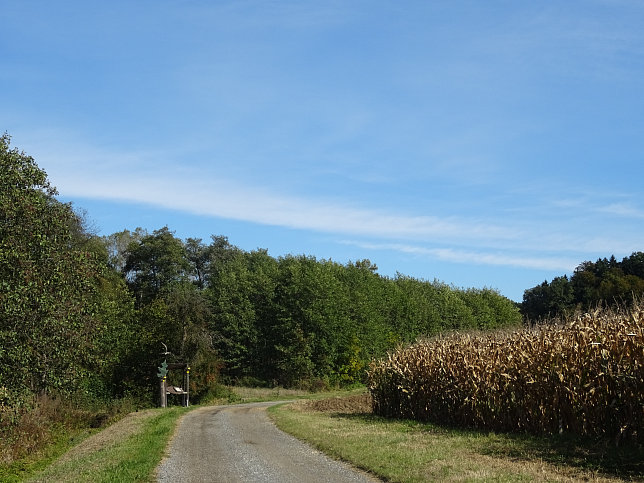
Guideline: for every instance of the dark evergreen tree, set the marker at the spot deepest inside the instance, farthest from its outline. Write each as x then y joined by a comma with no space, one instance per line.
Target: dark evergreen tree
605,281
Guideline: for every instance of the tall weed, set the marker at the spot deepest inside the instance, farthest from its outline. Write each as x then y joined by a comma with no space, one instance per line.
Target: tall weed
31,423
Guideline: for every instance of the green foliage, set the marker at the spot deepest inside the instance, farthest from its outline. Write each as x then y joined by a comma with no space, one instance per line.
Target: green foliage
48,275
234,322
166,276
117,245
112,336
604,281
298,321
198,256
154,263
489,309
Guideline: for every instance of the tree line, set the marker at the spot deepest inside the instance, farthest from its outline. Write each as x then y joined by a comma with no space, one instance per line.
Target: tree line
606,281
85,314
290,320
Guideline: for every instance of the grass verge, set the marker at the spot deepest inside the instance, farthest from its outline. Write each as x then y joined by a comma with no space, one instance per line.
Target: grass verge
34,435
408,451
129,450
61,440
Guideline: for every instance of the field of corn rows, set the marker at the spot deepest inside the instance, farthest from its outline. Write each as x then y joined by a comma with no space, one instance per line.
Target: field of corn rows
585,377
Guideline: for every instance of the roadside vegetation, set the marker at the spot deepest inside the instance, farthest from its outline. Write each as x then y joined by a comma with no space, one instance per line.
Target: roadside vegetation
48,429
557,402
404,450
130,448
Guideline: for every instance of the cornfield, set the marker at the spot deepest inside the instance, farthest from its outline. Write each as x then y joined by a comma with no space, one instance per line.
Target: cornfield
585,376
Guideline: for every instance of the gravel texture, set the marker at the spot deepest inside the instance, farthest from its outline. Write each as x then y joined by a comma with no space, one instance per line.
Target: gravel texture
240,444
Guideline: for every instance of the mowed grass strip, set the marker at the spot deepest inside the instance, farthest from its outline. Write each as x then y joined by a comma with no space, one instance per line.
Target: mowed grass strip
127,451
409,451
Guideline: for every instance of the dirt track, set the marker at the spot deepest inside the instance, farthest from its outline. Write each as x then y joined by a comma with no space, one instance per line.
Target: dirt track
240,444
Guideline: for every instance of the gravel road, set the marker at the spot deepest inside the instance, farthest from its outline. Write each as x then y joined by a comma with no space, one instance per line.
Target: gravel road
240,444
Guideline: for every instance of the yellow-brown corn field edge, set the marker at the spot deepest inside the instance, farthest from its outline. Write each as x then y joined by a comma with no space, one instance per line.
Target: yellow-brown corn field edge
585,377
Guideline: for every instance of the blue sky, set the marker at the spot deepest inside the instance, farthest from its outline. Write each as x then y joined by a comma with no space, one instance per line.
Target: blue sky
485,144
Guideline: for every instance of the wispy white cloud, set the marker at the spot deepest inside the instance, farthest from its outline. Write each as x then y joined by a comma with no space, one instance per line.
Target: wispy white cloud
626,210
151,177
476,257
615,204
230,199
491,241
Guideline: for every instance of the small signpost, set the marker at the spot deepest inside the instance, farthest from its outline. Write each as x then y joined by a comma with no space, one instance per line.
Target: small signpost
186,396
162,374
164,389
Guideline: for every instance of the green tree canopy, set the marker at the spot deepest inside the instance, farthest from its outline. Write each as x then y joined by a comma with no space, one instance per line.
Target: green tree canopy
606,280
154,263
48,273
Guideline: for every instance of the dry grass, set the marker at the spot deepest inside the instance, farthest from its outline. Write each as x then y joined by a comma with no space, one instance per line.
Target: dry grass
355,404
251,394
28,429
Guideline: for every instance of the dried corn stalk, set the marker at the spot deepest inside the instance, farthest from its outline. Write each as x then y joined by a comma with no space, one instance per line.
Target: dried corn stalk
584,377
